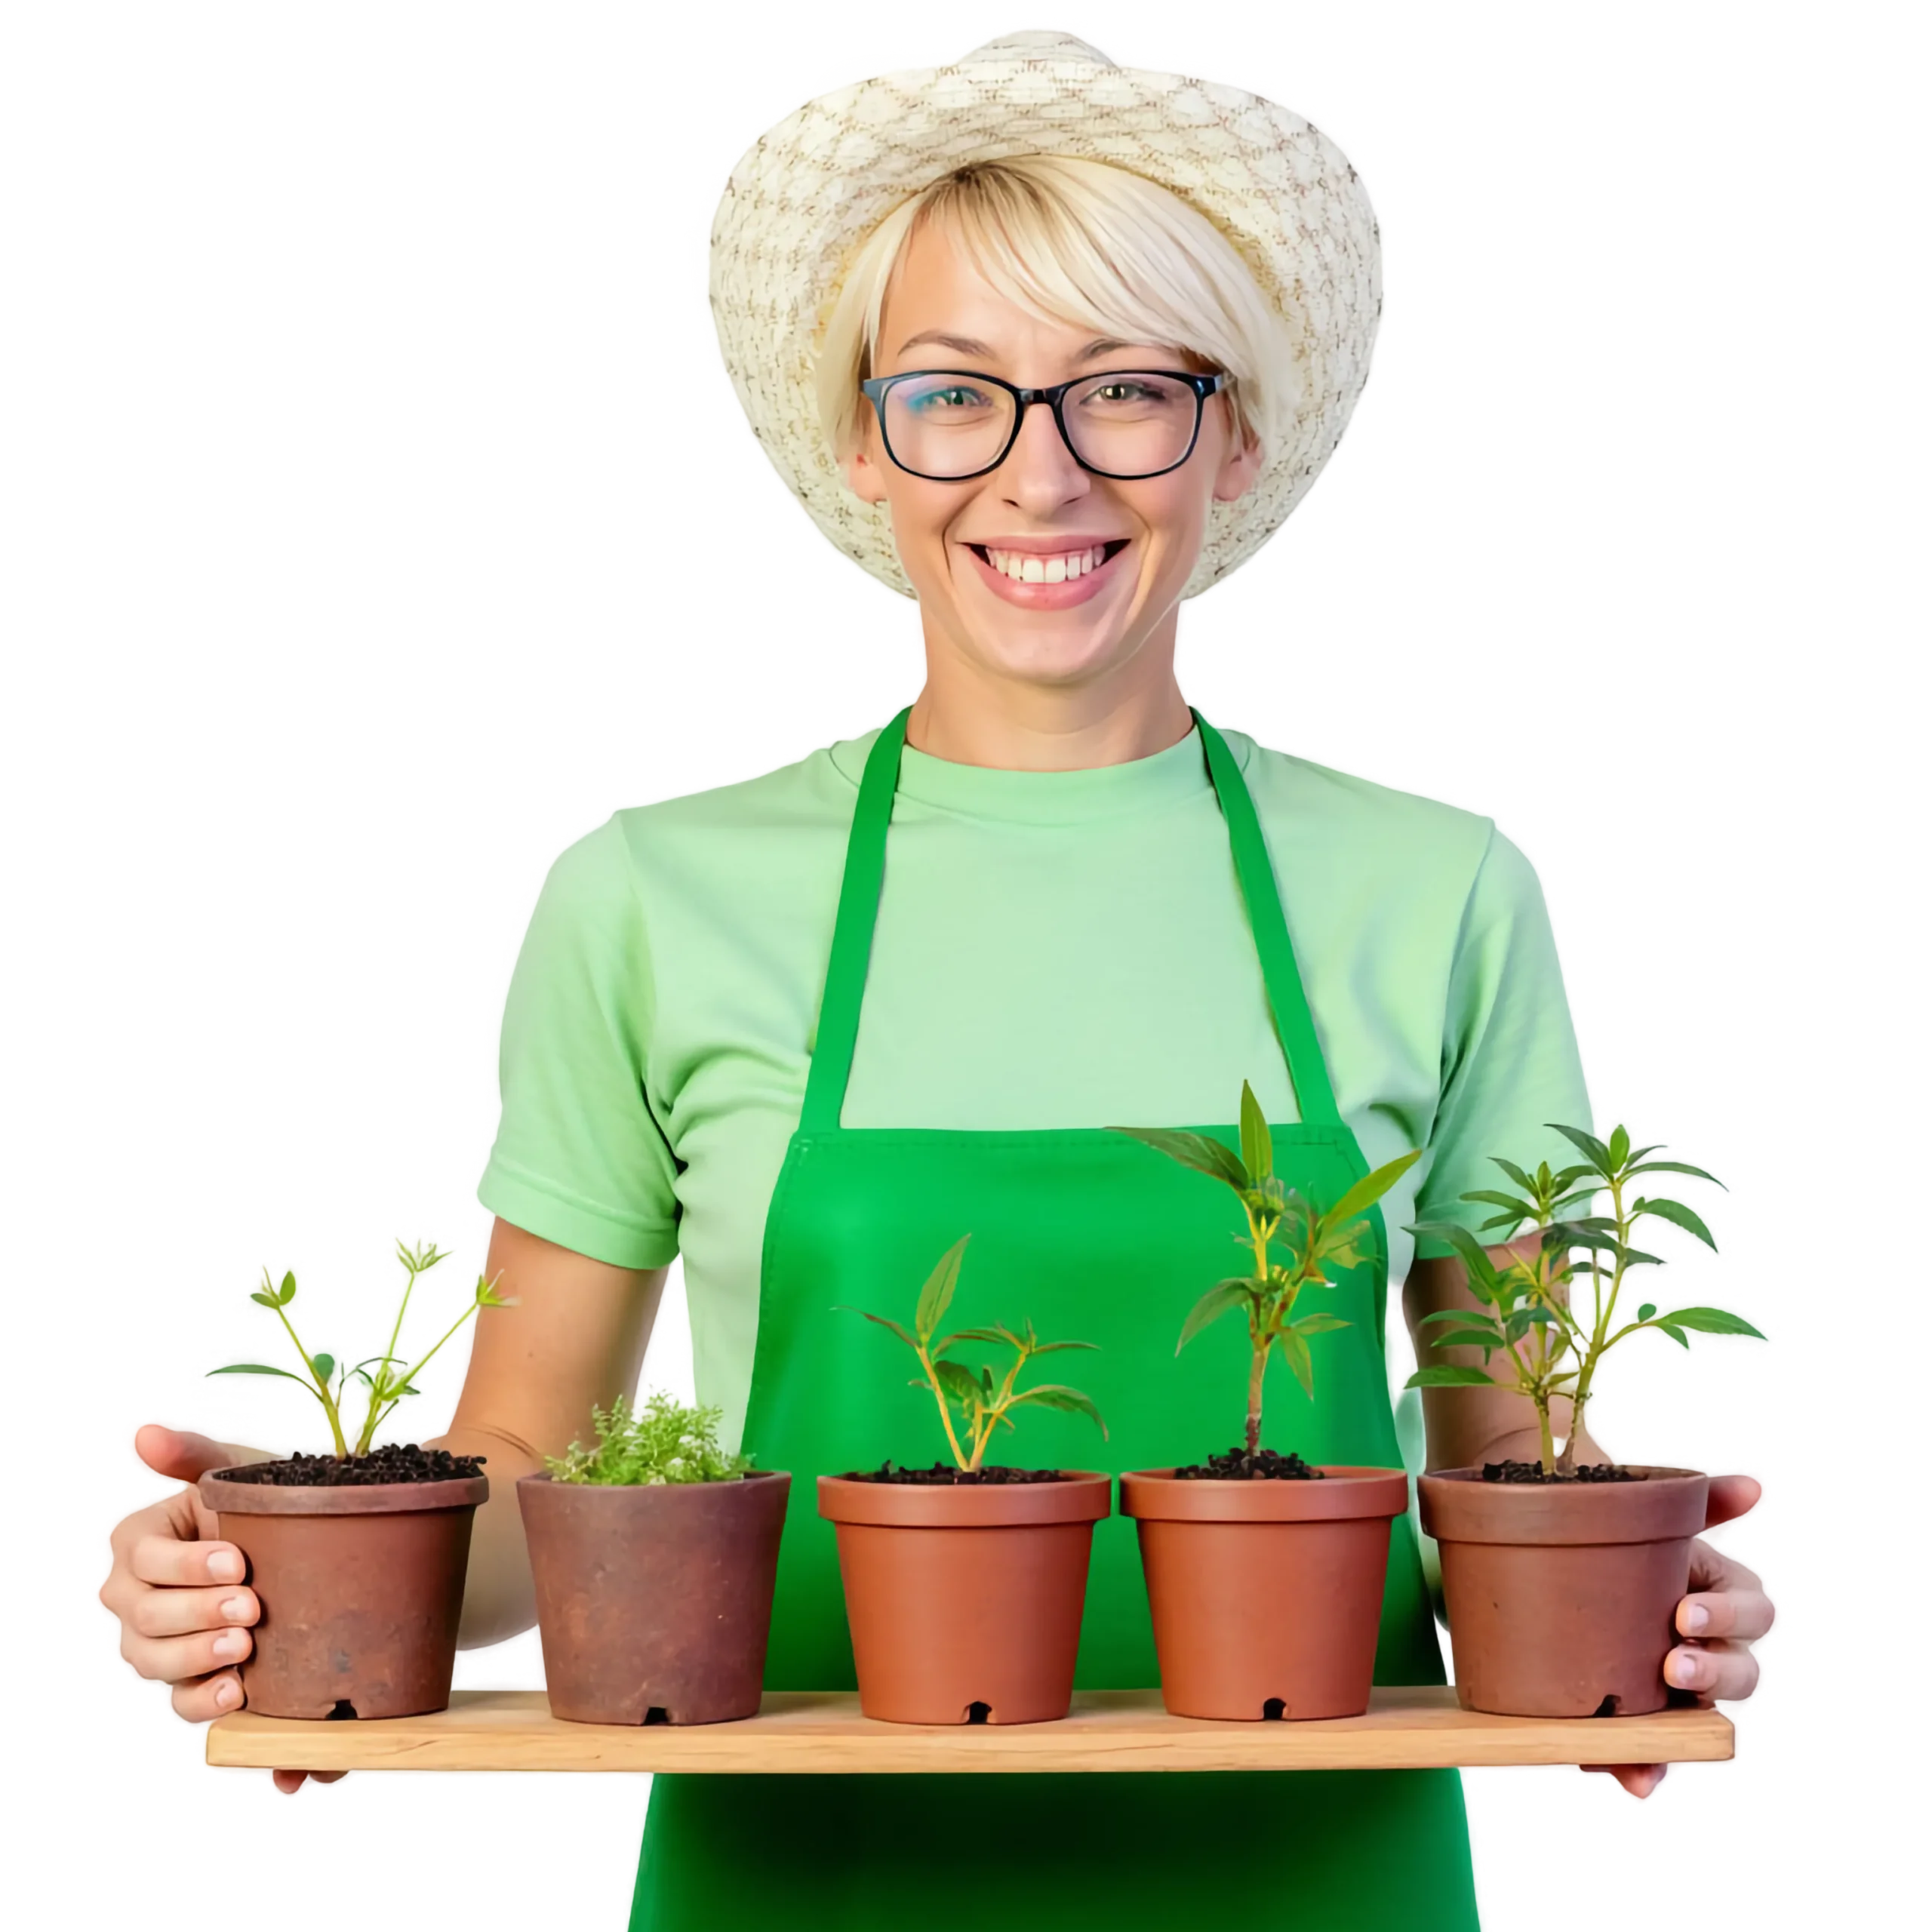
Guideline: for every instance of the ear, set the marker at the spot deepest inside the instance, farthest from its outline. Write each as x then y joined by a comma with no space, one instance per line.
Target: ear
862,472
1238,470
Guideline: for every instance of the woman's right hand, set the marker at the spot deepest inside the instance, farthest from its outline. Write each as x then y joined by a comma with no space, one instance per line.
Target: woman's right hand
177,1589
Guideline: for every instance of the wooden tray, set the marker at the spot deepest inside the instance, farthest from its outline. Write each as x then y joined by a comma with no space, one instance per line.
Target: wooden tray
1108,1730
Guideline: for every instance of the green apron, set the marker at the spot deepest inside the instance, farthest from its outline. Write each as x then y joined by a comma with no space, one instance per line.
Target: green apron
1093,1237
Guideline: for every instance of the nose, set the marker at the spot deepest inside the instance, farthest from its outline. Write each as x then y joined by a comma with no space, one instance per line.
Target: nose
1039,473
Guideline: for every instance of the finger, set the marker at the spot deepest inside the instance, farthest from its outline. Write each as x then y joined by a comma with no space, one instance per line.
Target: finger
1726,1676
168,1559
170,1660
198,1701
179,1613
175,1452
1733,1498
1743,1610
1639,1780
291,1781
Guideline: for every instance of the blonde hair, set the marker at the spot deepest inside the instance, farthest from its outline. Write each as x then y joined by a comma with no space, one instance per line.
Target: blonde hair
1076,241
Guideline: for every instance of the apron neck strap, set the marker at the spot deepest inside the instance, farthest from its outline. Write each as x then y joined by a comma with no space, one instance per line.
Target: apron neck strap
858,911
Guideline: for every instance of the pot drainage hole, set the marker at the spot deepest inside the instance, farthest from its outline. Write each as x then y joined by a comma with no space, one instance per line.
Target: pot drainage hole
343,1709
978,1713
658,1714
1607,1708
1275,1708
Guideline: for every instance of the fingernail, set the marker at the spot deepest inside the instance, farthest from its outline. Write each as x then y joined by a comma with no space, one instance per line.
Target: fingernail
1685,1669
1696,1618
235,1609
225,1567
230,1643
227,1692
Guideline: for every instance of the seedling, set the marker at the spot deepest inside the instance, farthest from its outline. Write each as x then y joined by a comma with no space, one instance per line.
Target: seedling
387,1384
1536,1301
982,1405
663,1442
1313,1239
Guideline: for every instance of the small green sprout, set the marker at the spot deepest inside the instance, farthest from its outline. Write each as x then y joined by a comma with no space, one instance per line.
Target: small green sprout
1314,1239
663,1442
1527,1314
387,1384
984,1404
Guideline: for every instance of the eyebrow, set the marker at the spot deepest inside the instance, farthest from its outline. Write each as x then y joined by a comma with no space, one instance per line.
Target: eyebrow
967,345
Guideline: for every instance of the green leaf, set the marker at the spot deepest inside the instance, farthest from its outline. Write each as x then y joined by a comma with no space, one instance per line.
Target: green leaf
1649,1309
1677,1167
1463,1315
287,1293
1588,1145
1695,1322
267,1301
1483,1282
1294,1350
846,1308
998,1336
1321,1323
1469,1338
1053,1395
1371,1187
1684,1218
1522,1320
1675,1334
1494,1197
1257,1144
936,1295
1450,1378
960,1382
1515,1174
1236,1291
1201,1152
1047,1348
323,1366
1620,1147
247,1371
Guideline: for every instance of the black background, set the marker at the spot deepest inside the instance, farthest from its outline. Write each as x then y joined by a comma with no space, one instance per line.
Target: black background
453,575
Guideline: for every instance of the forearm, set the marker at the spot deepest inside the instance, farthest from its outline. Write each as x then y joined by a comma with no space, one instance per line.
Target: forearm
499,1600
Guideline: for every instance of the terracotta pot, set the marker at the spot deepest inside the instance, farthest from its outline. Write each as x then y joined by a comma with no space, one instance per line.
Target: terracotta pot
361,1589
1561,1597
965,1602
655,1601
1266,1597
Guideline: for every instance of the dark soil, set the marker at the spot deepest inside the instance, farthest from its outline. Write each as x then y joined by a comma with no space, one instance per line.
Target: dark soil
1515,1472
1237,1465
392,1462
946,1472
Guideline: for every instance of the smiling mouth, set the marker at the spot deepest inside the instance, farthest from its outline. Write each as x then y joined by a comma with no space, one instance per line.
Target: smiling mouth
1111,550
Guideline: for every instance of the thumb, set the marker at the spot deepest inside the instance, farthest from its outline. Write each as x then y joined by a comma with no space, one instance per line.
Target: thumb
1730,1496
173,1452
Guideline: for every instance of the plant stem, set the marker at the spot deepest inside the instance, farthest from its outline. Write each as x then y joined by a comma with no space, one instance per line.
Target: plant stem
1256,1375
374,1420
945,1413
320,1387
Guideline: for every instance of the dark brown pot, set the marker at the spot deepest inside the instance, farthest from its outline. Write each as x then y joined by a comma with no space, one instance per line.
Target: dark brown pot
654,1600
1562,1597
1266,1597
360,1590
965,1602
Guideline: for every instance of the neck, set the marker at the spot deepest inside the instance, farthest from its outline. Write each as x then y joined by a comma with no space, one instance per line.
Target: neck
970,713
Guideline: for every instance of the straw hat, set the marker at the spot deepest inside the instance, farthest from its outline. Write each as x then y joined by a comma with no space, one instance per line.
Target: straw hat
804,197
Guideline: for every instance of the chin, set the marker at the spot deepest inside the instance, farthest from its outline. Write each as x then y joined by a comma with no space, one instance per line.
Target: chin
1050,654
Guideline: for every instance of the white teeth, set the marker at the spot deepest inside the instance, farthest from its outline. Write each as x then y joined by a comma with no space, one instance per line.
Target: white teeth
1025,567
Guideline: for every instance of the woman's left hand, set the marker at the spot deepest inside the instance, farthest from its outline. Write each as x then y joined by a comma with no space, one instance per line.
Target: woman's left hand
1726,1612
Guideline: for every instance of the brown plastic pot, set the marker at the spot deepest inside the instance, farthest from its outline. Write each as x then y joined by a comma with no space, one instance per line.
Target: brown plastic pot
360,1590
964,1602
1562,1597
654,1601
1266,1597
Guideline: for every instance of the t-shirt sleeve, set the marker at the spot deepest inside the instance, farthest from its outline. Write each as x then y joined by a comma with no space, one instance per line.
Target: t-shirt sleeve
579,1159
1509,1059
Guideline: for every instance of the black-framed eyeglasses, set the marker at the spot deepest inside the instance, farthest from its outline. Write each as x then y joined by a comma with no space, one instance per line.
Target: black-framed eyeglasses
950,425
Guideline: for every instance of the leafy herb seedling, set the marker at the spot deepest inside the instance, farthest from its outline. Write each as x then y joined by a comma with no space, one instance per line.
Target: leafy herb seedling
1313,1240
663,1442
1527,1315
387,1380
983,1403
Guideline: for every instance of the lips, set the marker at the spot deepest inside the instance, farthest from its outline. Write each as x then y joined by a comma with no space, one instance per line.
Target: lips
1042,596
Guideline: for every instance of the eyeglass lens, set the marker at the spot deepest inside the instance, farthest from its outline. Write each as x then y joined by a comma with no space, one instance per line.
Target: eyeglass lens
954,424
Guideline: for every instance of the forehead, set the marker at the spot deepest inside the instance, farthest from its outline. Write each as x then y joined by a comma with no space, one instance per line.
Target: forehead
937,287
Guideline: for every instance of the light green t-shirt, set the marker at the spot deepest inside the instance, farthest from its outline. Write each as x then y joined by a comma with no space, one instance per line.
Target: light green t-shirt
1053,949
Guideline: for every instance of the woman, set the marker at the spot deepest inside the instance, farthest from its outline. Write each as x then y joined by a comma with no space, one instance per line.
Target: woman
806,1028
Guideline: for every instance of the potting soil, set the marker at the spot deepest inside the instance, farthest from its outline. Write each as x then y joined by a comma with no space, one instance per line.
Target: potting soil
1516,1472
1237,1465
318,1467
946,1472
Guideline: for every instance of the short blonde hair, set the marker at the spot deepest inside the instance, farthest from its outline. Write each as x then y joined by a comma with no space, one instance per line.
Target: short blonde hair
1082,242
